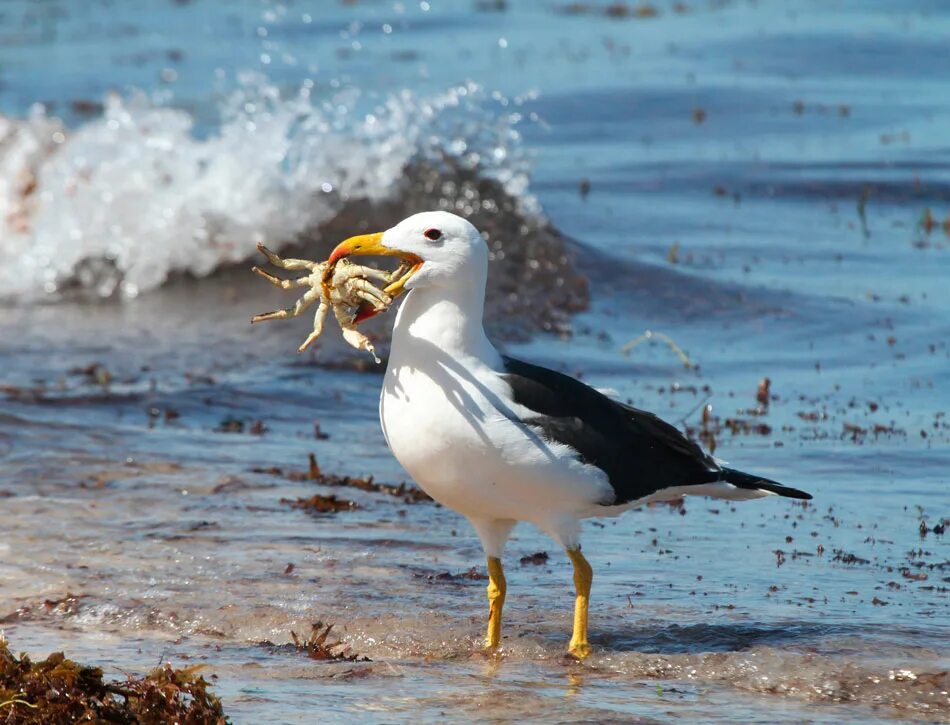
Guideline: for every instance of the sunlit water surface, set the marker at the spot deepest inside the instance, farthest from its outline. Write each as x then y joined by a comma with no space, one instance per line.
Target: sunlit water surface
750,180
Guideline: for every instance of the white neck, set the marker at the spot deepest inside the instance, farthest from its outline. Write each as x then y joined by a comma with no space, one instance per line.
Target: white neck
448,317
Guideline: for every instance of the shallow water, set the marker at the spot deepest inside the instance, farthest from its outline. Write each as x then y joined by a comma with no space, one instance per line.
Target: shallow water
789,155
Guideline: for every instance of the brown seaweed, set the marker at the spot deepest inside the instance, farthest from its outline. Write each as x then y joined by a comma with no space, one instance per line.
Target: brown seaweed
318,645
318,504
409,494
59,690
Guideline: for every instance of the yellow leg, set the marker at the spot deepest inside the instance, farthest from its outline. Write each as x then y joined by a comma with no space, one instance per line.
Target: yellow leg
583,575
496,600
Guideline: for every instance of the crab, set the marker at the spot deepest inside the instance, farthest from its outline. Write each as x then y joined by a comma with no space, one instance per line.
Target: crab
343,286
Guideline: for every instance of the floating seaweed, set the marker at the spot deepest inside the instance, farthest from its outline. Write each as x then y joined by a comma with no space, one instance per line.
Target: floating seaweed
409,494
473,574
94,373
318,504
230,424
650,335
66,606
616,10
318,646
537,559
846,557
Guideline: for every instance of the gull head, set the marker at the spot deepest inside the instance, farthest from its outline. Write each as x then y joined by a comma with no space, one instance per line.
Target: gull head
436,247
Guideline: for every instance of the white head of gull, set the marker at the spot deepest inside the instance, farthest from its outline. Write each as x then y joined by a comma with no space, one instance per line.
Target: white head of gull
500,440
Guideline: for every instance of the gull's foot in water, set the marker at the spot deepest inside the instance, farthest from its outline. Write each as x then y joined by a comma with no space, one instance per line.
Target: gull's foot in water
489,652
579,650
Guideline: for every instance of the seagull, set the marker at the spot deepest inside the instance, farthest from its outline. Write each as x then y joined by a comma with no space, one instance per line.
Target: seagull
499,440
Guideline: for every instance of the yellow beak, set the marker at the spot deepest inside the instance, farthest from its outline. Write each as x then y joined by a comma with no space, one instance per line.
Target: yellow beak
371,244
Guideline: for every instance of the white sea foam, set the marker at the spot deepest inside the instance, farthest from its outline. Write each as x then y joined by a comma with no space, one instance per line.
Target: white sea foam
128,198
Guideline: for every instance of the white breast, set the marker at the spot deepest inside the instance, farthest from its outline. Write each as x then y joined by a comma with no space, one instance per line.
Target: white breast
451,424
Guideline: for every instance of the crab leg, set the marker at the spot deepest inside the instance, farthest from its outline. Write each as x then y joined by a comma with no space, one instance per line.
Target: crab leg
365,291
282,283
358,270
397,273
277,261
353,336
310,296
318,318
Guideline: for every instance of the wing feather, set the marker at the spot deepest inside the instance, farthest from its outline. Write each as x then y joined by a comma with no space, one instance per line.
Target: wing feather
639,452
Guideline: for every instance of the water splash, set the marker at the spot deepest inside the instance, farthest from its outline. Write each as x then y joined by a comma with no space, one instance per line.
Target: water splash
122,202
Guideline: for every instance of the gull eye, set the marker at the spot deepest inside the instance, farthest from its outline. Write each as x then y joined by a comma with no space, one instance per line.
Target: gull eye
433,235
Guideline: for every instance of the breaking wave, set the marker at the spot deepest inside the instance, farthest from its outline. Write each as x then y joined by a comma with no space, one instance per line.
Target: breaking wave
119,204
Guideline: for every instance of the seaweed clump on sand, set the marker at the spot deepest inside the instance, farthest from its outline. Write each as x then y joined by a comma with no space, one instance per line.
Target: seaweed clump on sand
59,690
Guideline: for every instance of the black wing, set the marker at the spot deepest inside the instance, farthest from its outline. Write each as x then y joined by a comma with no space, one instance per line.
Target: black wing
639,452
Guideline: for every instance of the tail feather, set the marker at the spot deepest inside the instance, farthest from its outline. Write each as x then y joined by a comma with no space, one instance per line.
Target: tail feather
757,483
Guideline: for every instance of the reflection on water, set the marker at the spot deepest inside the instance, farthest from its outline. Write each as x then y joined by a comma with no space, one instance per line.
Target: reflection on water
149,447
